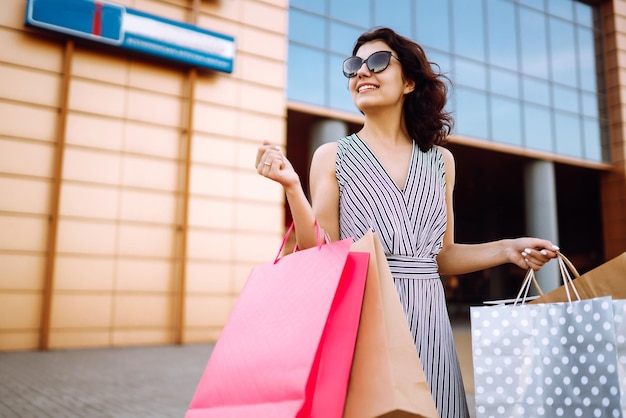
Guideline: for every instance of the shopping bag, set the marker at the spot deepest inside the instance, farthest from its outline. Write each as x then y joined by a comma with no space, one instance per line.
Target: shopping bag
608,279
287,347
546,360
387,377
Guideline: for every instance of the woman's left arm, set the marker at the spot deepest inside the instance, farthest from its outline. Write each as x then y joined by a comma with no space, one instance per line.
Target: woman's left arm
465,258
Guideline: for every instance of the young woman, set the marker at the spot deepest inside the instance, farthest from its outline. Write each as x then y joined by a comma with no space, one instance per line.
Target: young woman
394,177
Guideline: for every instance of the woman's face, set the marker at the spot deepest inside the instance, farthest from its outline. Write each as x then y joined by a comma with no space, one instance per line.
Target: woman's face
376,90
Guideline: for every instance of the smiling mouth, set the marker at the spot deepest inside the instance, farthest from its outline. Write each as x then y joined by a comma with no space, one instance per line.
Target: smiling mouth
367,87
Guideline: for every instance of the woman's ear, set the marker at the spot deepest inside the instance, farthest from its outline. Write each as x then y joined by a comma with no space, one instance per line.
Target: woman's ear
409,86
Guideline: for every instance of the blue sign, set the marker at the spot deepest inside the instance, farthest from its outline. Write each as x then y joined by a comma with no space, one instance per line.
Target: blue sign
113,24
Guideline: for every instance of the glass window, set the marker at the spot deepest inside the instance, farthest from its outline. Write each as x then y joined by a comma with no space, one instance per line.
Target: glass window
432,25
533,40
535,4
468,29
503,82
506,121
307,29
587,60
312,6
501,34
563,52
590,104
306,78
561,8
568,134
537,128
471,113
339,93
397,17
470,74
584,14
536,91
565,98
342,38
593,142
351,11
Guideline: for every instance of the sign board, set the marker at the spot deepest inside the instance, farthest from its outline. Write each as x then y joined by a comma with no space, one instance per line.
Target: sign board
117,25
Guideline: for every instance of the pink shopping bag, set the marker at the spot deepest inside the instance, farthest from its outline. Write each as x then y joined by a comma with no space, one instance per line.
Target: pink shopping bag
287,348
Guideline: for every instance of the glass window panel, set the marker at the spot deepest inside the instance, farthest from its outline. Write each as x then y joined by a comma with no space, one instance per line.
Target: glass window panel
504,82
568,134
506,121
565,98
313,6
342,38
442,61
397,17
536,91
561,8
590,104
351,11
468,29
537,128
533,40
563,52
433,24
340,97
307,28
583,14
470,74
471,113
536,4
306,77
502,34
593,143
587,60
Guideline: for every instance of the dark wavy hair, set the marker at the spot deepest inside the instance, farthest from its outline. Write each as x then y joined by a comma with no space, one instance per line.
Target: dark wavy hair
426,120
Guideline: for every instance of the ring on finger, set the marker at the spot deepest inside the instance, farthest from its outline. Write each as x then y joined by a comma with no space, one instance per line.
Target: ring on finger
266,163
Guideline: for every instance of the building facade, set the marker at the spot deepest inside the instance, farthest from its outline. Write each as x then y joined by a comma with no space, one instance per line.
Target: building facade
132,212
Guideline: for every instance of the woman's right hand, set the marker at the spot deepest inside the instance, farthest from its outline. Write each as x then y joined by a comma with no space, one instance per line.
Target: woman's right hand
271,163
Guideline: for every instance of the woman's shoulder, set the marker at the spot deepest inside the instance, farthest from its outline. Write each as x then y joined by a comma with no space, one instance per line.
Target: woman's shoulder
446,154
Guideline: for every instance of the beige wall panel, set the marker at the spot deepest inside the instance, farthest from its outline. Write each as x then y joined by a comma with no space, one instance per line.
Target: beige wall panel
241,273
94,132
259,248
260,127
270,45
207,277
22,271
207,311
25,195
80,310
258,217
147,241
200,335
280,3
220,90
91,166
148,207
214,119
251,185
99,66
142,310
17,122
89,201
162,9
26,158
20,311
147,76
212,213
263,100
154,108
19,340
99,98
82,237
83,273
263,15
82,338
30,50
150,173
224,11
209,245
13,12
142,337
23,233
263,71
213,150
211,181
144,275
34,87
158,141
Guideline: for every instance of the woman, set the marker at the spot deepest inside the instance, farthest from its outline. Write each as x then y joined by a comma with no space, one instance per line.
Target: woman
395,177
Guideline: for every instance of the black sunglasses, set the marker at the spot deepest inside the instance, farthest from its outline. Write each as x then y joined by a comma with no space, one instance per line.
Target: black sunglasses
376,63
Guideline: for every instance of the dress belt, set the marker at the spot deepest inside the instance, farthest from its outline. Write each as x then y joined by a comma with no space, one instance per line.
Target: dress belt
407,267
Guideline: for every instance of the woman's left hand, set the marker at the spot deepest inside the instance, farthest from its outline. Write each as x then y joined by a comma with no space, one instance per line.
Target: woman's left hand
532,252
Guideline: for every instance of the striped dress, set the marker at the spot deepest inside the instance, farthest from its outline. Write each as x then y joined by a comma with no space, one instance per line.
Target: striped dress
410,224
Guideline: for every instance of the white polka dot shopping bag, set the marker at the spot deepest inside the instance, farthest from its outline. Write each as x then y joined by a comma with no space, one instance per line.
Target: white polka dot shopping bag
547,360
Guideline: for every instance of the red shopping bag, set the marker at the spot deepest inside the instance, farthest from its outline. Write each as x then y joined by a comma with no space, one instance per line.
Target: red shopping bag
287,347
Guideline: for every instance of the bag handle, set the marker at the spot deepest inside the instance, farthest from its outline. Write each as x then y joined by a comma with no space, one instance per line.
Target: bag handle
295,248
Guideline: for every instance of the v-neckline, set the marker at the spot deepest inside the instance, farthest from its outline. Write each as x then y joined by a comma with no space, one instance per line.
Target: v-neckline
382,167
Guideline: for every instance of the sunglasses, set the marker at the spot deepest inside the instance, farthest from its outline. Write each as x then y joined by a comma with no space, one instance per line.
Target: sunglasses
376,63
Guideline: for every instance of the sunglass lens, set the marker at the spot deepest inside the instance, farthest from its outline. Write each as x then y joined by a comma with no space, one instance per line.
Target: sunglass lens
351,66
378,61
